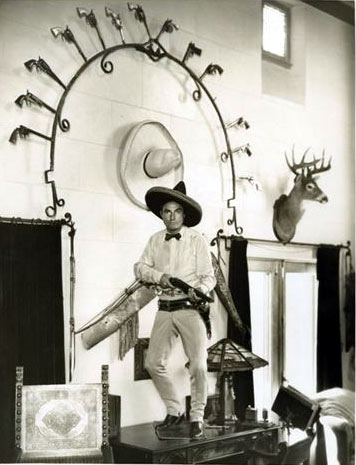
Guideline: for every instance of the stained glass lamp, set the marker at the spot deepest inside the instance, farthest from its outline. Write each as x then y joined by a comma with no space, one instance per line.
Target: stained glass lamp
225,357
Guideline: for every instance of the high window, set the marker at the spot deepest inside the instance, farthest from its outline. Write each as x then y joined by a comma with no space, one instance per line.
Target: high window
276,32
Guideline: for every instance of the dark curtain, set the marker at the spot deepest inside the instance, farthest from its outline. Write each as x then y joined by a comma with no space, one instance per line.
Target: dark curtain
329,372
349,309
31,326
239,287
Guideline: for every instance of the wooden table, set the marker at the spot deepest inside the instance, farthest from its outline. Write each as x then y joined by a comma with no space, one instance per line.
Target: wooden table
139,444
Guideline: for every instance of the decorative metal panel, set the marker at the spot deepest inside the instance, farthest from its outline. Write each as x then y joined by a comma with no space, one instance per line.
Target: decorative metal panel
62,420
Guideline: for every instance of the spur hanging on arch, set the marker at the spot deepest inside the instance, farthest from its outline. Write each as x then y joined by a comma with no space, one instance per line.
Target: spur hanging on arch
287,209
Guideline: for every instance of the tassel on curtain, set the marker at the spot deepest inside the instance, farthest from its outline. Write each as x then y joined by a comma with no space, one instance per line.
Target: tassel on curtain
240,291
329,368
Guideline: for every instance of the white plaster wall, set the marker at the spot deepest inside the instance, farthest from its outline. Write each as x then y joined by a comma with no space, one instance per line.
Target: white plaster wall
111,231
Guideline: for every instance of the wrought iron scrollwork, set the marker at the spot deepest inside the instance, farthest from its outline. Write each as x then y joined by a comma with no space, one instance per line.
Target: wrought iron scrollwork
71,233
31,99
64,124
224,157
155,51
51,210
211,69
106,65
197,94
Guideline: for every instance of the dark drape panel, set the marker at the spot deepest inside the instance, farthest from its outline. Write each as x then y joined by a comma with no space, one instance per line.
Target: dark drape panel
239,287
349,309
328,334
31,326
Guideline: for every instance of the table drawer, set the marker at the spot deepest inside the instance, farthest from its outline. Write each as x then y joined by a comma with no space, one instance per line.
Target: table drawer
173,456
132,455
215,450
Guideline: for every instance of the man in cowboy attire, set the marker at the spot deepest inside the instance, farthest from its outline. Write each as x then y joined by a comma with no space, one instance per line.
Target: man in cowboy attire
180,252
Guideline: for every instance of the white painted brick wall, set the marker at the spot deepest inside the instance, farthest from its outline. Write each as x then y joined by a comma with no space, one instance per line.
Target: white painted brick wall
111,231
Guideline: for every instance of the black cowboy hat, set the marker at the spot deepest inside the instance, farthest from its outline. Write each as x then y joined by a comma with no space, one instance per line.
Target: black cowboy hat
157,196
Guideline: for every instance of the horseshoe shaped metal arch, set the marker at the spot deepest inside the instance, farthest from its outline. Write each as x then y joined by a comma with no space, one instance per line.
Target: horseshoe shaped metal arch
51,210
155,55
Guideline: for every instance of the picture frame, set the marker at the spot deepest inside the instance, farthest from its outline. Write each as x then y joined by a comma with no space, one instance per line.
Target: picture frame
211,411
140,351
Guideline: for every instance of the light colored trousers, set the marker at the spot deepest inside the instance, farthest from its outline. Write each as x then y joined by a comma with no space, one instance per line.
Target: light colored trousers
190,326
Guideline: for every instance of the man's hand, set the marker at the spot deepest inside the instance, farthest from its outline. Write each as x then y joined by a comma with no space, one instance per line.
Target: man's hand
193,296
164,282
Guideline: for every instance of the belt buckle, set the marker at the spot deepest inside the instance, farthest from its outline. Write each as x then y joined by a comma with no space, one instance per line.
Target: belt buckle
186,304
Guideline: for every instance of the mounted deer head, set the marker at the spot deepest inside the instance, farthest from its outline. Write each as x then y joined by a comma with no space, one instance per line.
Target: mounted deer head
287,209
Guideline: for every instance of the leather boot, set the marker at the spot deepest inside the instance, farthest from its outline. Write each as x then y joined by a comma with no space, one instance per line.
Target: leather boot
196,430
171,420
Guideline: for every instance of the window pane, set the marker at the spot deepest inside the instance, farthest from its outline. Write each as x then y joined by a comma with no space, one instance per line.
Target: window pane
299,355
274,31
260,298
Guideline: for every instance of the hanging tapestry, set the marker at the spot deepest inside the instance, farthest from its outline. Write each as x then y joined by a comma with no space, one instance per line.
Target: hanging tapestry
349,310
329,372
240,291
31,325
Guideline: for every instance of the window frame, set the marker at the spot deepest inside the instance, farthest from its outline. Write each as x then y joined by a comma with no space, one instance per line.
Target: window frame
275,334
277,59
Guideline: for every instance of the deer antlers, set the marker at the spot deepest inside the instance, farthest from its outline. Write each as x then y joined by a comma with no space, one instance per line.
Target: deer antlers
308,168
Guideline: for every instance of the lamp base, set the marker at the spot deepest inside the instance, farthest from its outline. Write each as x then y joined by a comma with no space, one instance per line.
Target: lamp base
226,415
256,424
226,422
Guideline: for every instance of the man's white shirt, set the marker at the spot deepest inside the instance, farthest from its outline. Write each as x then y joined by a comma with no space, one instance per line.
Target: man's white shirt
188,259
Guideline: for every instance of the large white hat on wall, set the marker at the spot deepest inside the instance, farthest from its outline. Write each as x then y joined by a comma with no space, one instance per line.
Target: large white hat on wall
150,157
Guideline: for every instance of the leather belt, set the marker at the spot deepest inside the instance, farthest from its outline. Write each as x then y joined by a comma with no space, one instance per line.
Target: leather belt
174,305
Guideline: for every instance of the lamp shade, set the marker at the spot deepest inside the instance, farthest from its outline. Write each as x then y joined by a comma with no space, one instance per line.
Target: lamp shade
227,356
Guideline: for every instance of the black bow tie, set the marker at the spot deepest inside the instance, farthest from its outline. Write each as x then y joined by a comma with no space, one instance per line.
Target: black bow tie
168,236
